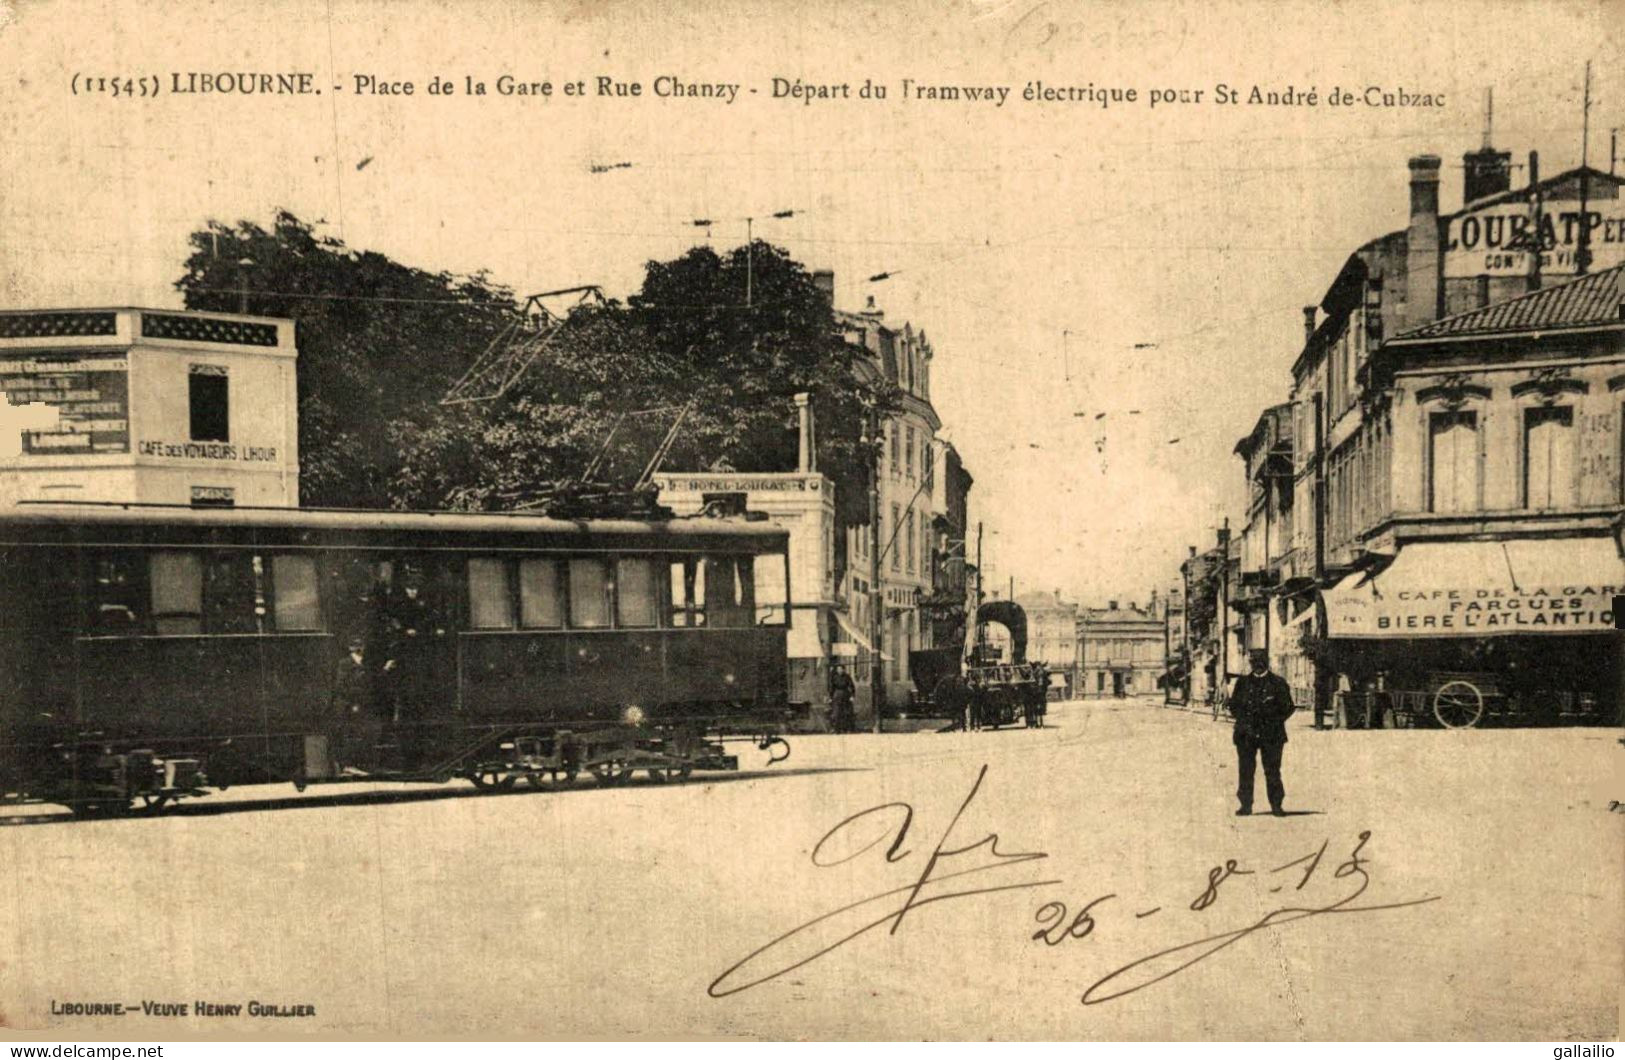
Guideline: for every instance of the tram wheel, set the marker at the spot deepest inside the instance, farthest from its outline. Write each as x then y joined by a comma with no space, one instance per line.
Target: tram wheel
613,773
1458,704
493,780
146,803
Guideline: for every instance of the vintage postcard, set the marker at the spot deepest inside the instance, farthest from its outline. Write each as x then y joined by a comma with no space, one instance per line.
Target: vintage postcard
962,520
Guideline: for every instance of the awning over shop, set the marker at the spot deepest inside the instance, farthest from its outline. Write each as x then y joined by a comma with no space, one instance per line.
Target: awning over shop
1482,589
852,631
804,641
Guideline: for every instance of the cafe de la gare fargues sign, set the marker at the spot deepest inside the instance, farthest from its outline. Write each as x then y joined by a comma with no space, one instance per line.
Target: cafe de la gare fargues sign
1497,240
1498,610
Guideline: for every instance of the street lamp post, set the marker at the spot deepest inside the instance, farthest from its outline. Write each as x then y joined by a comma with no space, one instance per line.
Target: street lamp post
877,675
750,245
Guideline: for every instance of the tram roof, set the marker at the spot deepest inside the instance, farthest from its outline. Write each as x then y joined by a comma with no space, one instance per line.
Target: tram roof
62,513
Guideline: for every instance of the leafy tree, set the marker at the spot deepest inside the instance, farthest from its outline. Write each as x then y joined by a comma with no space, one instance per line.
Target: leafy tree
380,343
743,362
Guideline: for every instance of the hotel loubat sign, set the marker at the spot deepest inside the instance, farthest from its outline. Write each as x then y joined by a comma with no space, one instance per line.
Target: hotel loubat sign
738,484
88,395
1496,241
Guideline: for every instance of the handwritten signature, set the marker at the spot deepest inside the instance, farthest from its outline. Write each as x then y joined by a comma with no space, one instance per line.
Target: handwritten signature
822,935
947,875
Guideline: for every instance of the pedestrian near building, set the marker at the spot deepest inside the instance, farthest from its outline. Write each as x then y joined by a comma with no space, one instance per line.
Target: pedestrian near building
1261,703
842,693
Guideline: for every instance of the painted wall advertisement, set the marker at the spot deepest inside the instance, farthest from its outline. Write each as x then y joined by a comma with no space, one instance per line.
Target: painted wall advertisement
1470,610
1497,240
89,397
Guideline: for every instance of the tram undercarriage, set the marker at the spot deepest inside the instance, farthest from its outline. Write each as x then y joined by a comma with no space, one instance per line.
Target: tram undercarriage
94,777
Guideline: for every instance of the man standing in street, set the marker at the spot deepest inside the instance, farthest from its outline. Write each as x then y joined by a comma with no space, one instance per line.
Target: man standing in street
1261,703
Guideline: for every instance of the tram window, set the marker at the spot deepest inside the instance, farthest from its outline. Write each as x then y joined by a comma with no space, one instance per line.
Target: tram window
233,600
177,592
490,604
635,592
589,593
772,592
541,599
296,602
118,595
728,588
38,590
687,593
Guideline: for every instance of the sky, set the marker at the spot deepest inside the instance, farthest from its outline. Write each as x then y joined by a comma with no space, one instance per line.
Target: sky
1066,259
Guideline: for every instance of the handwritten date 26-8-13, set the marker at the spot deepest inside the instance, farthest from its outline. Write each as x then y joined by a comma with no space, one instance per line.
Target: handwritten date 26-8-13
1166,963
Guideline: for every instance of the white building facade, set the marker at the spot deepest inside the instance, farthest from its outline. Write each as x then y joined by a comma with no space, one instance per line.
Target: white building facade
148,406
912,469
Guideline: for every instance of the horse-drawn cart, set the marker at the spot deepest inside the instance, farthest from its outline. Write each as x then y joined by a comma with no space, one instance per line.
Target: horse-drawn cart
1461,700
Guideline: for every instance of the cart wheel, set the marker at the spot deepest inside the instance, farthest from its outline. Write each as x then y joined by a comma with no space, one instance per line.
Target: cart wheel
1458,704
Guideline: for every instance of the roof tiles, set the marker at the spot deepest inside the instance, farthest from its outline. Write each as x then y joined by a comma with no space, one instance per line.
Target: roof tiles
1589,301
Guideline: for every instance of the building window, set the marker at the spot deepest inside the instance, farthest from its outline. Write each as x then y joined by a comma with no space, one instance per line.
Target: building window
895,433
1453,461
896,553
908,455
1548,457
908,532
210,403
896,636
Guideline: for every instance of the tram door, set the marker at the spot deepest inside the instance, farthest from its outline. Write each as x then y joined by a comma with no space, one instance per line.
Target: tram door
420,656
403,608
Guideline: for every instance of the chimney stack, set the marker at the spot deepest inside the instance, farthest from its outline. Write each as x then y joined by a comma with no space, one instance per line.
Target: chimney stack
824,280
1422,262
807,460
1486,172
1111,605
1308,323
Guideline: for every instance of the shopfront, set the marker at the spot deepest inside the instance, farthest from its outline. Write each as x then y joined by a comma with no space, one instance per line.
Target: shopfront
1465,632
